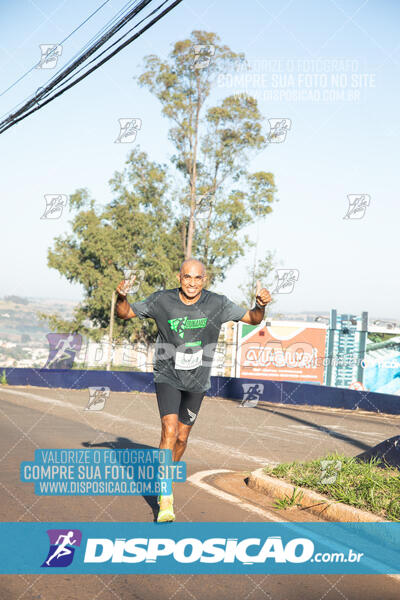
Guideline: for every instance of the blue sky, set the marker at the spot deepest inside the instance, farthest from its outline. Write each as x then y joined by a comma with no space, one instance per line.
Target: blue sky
337,145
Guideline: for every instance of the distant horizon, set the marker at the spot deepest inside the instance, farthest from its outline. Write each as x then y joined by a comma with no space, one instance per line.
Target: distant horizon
285,312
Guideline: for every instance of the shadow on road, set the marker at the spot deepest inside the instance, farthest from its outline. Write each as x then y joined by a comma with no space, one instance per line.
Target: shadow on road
327,430
122,443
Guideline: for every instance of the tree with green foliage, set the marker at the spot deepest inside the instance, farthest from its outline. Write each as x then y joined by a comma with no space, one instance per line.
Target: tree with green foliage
218,196
133,230
197,206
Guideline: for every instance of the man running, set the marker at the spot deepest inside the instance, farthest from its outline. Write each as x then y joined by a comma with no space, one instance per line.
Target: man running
62,546
189,319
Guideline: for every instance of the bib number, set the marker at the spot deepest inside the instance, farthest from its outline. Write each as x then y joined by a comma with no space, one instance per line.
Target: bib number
186,361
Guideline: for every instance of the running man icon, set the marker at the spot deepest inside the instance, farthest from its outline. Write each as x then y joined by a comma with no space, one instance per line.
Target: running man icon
251,394
61,551
62,350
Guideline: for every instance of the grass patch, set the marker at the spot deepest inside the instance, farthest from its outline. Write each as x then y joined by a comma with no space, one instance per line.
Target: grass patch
289,501
364,485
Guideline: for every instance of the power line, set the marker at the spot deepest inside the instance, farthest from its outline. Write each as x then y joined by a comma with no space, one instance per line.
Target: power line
58,77
85,66
123,10
59,44
92,46
29,107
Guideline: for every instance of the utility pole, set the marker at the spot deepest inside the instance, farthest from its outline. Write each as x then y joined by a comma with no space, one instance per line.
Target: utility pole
362,344
110,333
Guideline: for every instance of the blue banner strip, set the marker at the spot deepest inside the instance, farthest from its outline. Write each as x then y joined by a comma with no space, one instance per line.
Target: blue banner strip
289,392
207,548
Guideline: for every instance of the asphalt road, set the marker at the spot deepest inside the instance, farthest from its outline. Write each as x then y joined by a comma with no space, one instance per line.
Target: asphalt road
225,437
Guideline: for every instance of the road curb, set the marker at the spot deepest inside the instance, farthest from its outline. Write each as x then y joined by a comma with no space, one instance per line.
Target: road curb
322,506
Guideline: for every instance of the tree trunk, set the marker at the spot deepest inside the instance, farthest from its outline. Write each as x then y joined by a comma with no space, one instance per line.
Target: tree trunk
110,333
193,178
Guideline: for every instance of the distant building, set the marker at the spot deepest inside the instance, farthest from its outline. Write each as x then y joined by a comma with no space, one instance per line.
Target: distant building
345,349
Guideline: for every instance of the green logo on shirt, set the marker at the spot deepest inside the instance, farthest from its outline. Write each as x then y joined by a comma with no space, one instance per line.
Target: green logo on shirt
181,323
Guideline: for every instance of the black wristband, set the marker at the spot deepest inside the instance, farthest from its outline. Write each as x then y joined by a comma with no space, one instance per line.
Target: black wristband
259,306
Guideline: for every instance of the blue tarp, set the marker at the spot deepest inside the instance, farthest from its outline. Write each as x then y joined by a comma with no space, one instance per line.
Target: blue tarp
385,380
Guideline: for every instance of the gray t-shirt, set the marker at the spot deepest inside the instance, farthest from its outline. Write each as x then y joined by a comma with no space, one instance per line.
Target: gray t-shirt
187,335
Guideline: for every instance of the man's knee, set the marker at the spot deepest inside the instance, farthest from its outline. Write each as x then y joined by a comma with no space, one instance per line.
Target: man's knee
182,436
169,430
181,440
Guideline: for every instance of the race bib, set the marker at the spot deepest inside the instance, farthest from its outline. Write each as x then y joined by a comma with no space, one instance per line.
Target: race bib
185,361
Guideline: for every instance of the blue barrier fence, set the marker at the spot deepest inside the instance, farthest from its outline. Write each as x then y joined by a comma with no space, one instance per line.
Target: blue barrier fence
287,392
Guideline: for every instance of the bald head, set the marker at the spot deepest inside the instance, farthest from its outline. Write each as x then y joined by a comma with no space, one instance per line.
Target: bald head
192,262
192,277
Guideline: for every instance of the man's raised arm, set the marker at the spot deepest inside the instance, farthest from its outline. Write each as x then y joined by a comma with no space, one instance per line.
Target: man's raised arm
255,315
122,306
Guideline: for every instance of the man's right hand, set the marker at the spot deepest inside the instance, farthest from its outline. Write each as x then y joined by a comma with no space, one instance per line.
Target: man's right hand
123,308
124,286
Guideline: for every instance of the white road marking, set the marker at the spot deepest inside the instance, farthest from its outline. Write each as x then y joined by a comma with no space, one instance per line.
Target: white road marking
340,428
41,398
197,479
312,431
208,445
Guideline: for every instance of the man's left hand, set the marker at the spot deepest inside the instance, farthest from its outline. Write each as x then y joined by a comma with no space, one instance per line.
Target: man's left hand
263,297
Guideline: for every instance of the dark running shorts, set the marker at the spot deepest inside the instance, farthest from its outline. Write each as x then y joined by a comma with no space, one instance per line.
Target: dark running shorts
179,402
